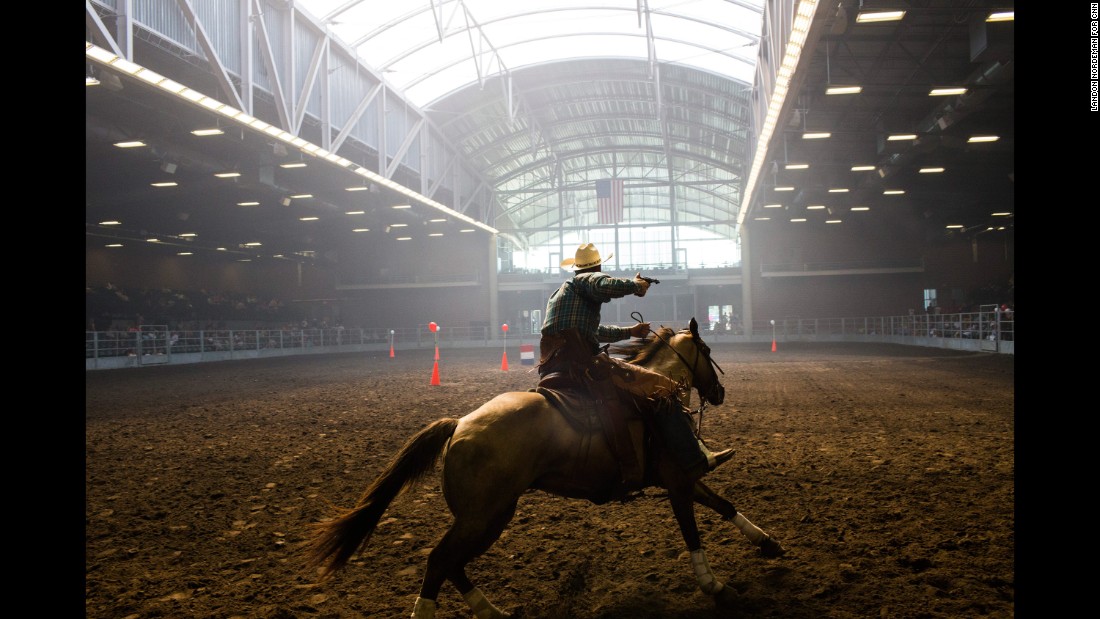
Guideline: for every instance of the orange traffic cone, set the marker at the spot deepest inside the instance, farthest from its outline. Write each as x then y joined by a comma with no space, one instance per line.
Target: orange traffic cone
773,345
504,362
435,373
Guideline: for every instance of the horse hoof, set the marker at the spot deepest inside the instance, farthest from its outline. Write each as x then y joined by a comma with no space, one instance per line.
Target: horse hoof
771,548
726,597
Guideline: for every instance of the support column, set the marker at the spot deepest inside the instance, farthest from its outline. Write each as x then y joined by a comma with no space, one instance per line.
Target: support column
494,290
747,267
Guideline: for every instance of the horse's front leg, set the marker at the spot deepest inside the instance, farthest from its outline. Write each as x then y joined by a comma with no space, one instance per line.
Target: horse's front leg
683,507
767,545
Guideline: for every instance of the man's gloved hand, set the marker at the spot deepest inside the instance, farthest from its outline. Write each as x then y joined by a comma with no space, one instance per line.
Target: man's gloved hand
643,285
640,330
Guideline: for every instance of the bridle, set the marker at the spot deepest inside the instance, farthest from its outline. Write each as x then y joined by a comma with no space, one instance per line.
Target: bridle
716,387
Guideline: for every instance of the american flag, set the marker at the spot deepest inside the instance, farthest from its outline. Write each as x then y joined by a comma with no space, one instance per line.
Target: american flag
609,200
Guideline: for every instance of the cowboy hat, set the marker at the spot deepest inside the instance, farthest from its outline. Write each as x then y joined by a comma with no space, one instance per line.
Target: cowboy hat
587,257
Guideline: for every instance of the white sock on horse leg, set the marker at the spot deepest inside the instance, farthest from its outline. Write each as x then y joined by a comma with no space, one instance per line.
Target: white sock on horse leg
755,534
482,607
423,609
707,582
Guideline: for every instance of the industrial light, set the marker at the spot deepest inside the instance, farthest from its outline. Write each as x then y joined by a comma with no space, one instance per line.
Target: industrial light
931,170
302,196
798,219
843,90
400,206
360,230
355,212
860,208
206,132
815,207
288,166
1001,16
227,174
901,136
893,192
868,17
165,184
941,92
983,138
130,144
773,206
863,168
839,190
307,219
796,166
784,189
248,204
832,221
819,135
110,222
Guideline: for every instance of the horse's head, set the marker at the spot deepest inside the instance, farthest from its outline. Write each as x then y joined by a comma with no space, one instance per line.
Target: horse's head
681,355
704,370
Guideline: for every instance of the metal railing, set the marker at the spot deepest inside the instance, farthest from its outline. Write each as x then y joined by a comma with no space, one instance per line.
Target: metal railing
990,331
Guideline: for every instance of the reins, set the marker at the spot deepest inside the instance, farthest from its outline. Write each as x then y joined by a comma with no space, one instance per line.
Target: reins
692,366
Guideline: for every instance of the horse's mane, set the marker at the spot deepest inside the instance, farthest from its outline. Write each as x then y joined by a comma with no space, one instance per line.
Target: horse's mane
641,351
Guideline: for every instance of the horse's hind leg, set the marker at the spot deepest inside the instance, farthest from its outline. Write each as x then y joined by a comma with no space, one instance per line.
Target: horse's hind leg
464,541
768,546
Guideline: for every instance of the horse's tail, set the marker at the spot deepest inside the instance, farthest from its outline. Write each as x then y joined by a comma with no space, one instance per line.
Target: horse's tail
337,540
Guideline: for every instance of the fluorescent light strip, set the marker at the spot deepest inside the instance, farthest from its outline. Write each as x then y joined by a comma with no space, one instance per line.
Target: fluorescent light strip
832,221
800,27
307,219
227,174
130,144
164,184
943,92
1001,16
863,168
860,208
784,189
869,17
843,90
355,188
798,35
206,132
983,138
838,190
1001,214
301,196
796,166
931,170
404,238
893,192
901,136
798,220
815,207
289,166
773,206
248,204
112,222
355,213
360,230
954,226
819,135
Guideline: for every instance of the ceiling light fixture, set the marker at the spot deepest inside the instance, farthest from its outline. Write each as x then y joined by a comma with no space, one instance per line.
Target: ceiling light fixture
893,192
355,188
843,90
205,132
863,168
817,135
773,206
301,196
400,206
784,189
839,190
307,219
1001,16
798,219
815,207
860,208
983,138
227,174
901,136
360,230
164,184
248,204
943,92
931,170
288,166
870,17
110,222
130,144
796,166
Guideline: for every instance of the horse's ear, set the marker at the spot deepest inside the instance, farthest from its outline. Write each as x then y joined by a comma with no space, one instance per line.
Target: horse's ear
693,326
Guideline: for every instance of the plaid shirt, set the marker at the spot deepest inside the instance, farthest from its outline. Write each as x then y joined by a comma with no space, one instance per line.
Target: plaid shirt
576,304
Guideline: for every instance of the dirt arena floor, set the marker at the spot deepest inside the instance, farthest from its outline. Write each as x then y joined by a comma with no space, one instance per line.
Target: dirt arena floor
887,472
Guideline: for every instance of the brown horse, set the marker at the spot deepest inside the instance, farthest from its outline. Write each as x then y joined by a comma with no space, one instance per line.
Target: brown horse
518,442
